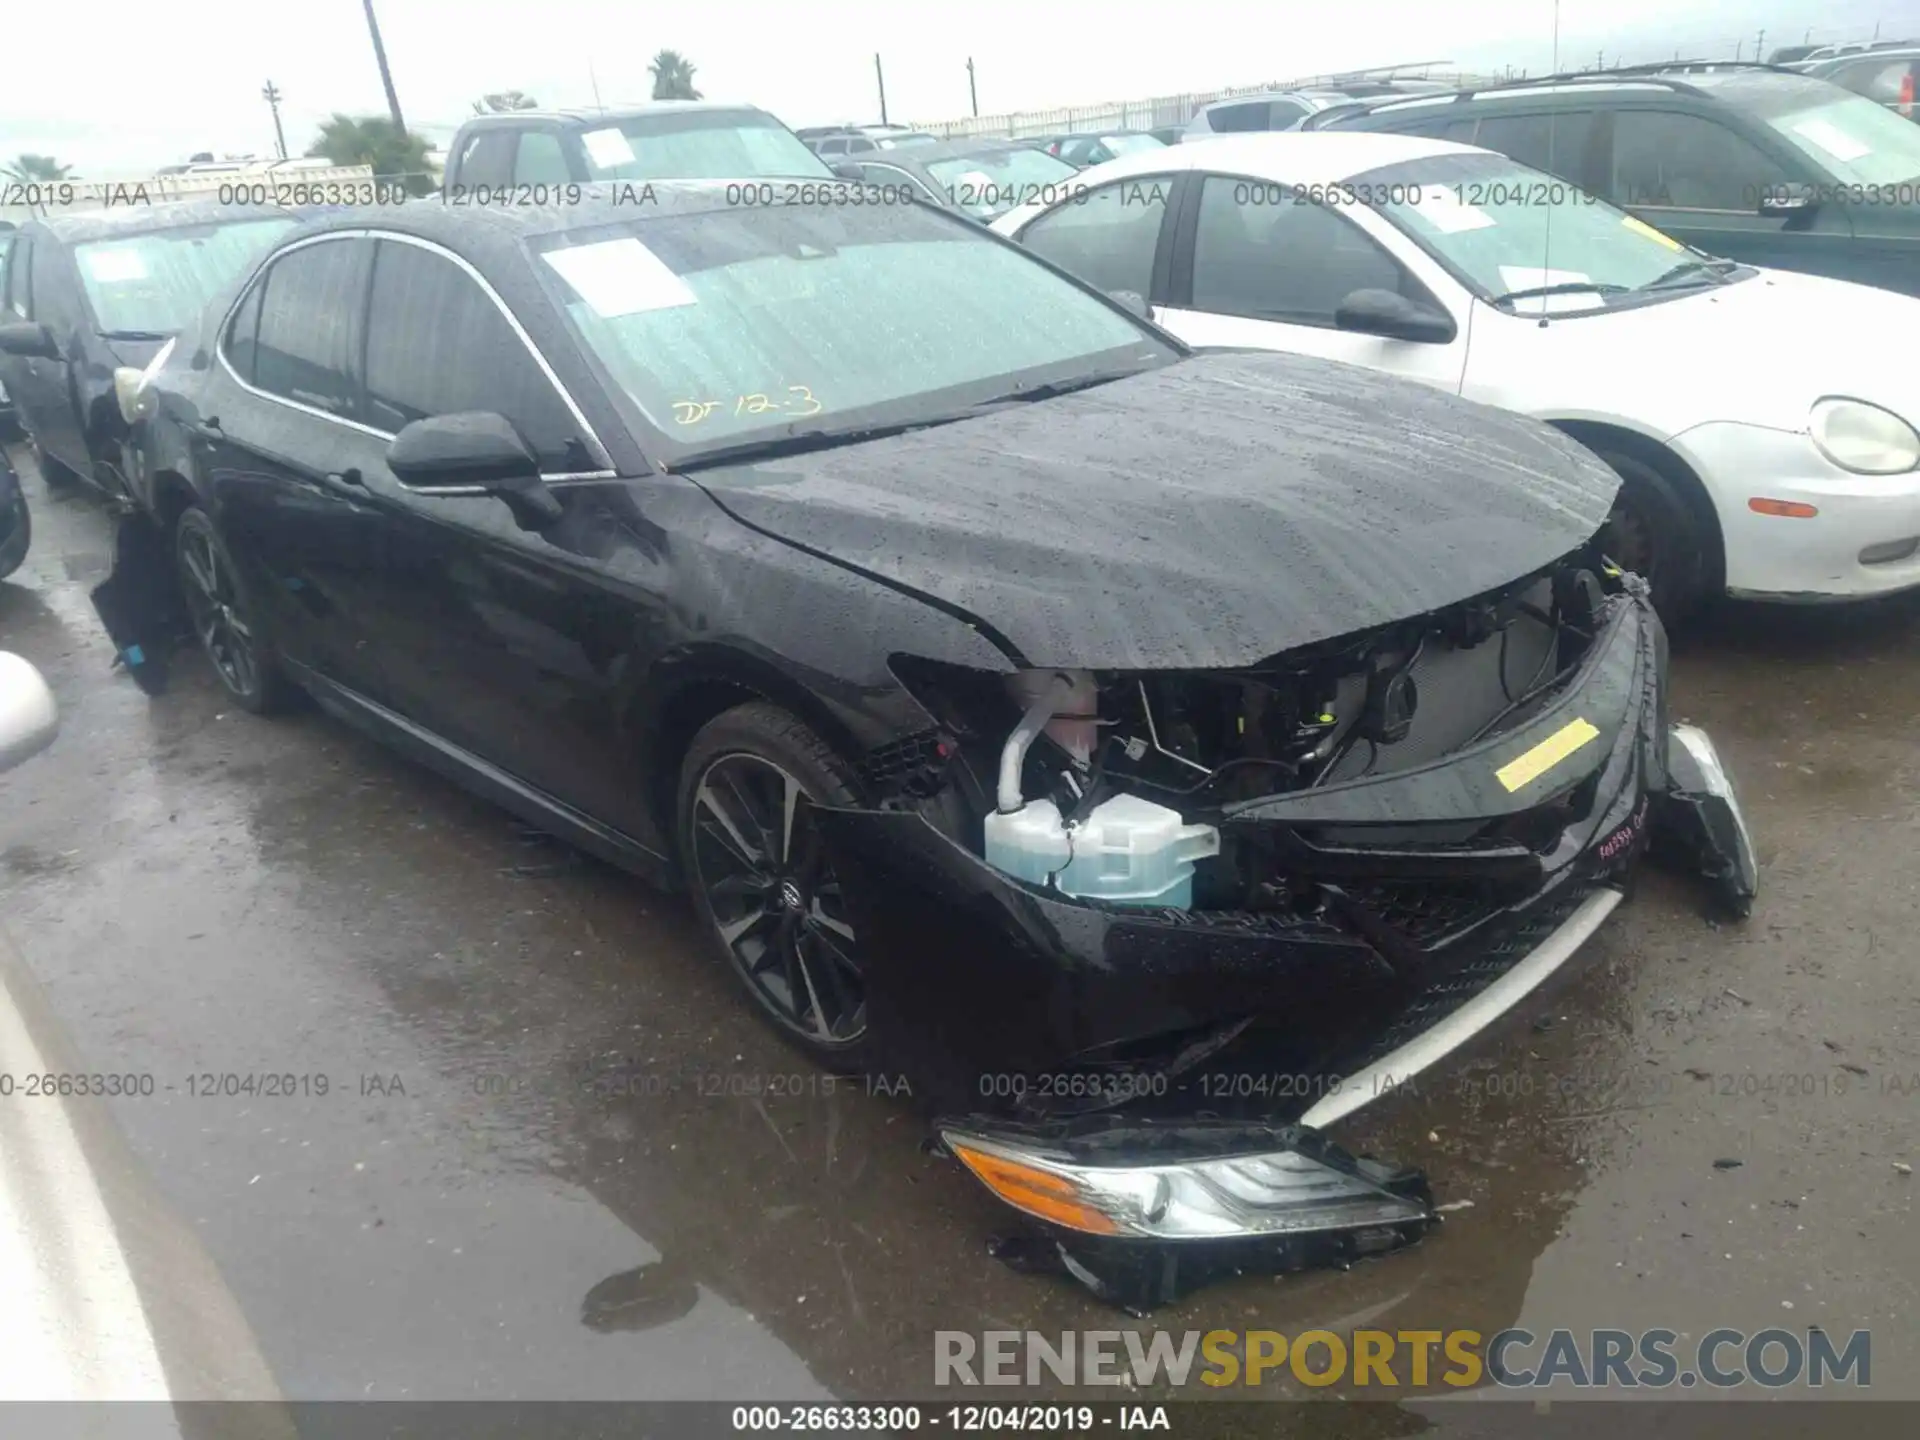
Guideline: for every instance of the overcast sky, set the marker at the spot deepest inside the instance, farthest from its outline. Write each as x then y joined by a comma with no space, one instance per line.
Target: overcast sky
119,86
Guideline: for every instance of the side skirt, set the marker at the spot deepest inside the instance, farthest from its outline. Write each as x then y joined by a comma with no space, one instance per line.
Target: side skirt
486,780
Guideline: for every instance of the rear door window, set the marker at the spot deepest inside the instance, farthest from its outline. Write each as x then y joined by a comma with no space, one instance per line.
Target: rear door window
309,327
437,344
1555,141
1231,119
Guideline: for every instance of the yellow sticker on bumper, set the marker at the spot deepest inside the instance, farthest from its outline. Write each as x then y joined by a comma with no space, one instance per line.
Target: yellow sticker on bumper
1547,754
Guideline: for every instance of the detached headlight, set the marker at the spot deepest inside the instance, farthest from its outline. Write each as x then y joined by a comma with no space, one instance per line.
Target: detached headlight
1277,1192
131,387
1864,438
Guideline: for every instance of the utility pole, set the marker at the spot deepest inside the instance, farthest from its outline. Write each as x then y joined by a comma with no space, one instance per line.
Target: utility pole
972,93
880,78
1760,47
271,94
386,75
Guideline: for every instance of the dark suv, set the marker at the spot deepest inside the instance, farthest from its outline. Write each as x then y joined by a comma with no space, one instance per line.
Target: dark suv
667,140
1751,162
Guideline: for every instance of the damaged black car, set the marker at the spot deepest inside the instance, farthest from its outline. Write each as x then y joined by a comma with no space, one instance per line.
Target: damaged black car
1030,705
90,299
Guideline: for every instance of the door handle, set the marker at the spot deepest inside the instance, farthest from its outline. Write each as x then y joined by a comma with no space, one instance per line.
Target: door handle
348,476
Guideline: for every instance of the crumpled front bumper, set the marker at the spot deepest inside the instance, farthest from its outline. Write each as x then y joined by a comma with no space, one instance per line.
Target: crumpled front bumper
1062,1040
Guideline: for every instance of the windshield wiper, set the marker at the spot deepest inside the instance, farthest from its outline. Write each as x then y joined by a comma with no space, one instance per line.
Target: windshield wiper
1566,287
770,447
136,335
1053,389
1693,272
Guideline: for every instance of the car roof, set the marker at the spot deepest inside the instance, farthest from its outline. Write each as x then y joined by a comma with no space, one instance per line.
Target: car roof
1319,157
1733,82
124,221
493,233
949,150
509,118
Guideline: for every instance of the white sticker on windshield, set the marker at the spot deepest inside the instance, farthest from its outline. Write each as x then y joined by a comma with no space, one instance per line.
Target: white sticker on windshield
608,148
1832,139
620,277
1447,213
111,267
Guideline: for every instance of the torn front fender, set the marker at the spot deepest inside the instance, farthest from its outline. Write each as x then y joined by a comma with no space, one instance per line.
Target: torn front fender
1698,821
1143,1212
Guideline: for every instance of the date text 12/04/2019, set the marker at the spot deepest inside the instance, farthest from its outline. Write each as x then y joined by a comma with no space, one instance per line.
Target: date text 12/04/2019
961,1419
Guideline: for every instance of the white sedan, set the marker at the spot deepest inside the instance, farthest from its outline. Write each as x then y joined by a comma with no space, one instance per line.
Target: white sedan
1763,423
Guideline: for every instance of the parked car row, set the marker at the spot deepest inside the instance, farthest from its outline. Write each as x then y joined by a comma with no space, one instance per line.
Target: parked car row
1747,162
1017,684
1761,421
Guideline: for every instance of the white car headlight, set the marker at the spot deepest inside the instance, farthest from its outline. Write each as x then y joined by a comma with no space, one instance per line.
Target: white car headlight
1864,438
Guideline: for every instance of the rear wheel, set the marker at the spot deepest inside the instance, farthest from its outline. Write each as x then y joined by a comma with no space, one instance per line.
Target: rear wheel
762,882
1653,532
224,617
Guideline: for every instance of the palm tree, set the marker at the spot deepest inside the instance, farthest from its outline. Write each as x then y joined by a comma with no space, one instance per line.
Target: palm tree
36,168
375,140
672,76
503,101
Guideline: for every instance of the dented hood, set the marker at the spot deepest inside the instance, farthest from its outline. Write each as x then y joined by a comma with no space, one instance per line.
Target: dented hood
1210,513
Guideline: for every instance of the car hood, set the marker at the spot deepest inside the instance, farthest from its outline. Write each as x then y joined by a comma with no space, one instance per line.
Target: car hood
1759,351
1210,513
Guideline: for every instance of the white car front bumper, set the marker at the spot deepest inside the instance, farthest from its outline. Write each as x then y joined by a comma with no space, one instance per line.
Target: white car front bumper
1864,540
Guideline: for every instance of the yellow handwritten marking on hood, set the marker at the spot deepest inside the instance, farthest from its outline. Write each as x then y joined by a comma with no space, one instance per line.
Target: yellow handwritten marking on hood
1547,754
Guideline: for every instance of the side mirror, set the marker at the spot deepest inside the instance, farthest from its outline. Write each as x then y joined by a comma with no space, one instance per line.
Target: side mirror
1133,301
1787,200
29,341
475,452
29,718
847,170
1393,317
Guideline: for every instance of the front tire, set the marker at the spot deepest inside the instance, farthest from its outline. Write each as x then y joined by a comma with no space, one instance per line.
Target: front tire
762,883
225,618
1654,532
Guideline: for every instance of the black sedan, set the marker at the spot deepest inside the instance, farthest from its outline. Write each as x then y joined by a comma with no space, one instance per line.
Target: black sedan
982,179
90,293
1031,706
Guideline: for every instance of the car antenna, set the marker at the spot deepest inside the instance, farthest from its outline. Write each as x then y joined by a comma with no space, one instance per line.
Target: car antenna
1553,128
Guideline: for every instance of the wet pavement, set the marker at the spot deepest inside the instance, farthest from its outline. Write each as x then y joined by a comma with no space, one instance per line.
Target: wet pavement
556,1158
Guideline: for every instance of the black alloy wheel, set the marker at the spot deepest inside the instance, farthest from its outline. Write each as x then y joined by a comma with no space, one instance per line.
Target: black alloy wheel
223,619
763,882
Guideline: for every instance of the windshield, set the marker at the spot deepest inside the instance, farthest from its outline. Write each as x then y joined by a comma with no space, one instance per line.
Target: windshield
1132,144
157,284
698,145
1504,227
1855,140
990,184
782,321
